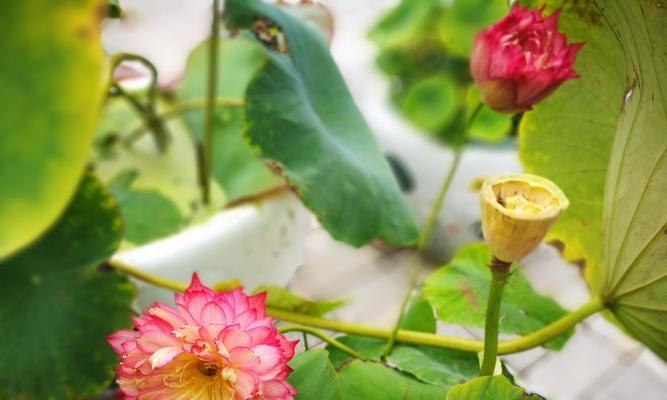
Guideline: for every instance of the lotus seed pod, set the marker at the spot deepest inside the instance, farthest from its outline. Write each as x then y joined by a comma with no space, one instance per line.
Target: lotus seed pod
517,211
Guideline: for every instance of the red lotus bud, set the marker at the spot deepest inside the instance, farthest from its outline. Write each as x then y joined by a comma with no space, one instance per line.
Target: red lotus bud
521,60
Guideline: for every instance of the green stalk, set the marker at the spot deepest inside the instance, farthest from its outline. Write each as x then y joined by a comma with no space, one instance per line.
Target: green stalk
500,272
523,343
179,110
326,338
427,231
147,111
206,162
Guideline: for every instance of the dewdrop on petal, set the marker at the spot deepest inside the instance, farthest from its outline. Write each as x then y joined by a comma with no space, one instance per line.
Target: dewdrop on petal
517,211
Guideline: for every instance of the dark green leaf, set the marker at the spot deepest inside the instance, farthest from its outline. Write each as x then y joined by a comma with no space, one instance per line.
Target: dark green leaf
51,80
314,377
147,214
300,114
369,380
281,298
57,307
235,166
488,388
459,293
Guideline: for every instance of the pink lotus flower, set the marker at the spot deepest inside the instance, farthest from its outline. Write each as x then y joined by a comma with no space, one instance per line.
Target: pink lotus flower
521,60
215,346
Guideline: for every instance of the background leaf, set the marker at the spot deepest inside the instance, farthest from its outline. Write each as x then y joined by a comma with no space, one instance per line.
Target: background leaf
147,214
367,380
235,167
419,315
430,103
441,367
282,299
50,98
424,49
459,293
464,18
314,377
332,159
58,307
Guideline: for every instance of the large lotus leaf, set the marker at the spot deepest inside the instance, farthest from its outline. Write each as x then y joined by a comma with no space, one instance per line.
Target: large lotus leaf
300,114
51,80
567,138
282,299
459,293
58,306
633,278
610,125
235,167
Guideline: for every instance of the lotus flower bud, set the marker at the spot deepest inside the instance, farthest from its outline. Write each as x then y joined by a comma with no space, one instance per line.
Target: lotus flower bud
517,211
521,60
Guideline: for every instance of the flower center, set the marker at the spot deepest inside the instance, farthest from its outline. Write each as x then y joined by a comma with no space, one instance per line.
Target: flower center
208,368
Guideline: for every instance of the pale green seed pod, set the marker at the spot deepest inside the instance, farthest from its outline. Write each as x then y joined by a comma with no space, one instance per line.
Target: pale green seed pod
517,211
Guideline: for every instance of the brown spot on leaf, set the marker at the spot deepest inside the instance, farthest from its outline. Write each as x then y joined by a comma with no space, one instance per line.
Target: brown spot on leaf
468,294
557,244
581,263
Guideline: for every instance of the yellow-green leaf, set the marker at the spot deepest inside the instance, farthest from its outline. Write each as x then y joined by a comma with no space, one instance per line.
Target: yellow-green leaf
50,80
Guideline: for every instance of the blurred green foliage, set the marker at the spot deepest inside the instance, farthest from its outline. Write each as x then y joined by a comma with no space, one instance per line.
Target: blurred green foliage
424,49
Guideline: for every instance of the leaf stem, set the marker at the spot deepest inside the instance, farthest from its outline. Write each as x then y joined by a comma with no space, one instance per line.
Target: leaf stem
258,196
425,236
145,276
432,217
119,58
324,337
212,86
553,330
148,110
180,109
523,343
500,272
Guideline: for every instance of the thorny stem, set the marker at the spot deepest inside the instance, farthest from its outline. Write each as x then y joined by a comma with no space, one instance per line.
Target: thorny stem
212,86
324,337
523,343
500,272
